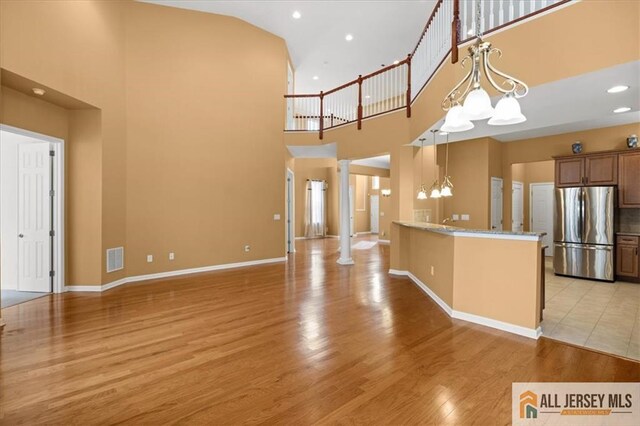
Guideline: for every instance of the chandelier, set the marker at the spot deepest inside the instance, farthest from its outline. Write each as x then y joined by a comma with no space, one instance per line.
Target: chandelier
473,103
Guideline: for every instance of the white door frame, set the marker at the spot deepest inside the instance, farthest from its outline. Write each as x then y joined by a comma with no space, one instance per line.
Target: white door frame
549,251
515,184
501,225
352,213
58,201
290,207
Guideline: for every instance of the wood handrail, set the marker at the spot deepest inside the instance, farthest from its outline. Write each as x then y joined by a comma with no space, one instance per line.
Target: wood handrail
427,25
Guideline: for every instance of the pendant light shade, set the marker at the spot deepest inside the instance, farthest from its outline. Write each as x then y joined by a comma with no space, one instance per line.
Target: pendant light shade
455,121
435,190
477,105
447,187
422,193
507,112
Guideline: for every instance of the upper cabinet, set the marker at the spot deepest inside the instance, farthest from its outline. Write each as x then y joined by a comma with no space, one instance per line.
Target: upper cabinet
592,170
629,185
570,172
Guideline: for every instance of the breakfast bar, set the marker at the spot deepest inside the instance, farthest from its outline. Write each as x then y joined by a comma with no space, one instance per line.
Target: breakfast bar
493,278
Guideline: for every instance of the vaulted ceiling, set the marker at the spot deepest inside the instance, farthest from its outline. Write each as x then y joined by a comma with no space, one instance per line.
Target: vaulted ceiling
383,31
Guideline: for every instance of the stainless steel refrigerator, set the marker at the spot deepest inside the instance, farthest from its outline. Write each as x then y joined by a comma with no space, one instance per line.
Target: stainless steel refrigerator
584,232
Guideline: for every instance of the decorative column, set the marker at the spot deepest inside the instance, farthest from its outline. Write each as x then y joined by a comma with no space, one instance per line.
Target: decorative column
345,215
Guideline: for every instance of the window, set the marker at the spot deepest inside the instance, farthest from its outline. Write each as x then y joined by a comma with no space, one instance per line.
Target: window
375,182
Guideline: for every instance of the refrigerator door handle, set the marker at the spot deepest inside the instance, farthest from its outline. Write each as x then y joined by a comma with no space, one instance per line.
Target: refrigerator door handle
582,220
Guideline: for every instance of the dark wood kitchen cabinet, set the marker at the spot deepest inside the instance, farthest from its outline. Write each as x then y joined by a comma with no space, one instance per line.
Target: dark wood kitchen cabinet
587,170
627,258
629,182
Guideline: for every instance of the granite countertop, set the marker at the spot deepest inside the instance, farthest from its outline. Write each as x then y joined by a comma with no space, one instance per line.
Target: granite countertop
451,230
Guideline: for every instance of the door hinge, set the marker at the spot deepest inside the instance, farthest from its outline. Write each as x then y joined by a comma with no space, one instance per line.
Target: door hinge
52,273
52,193
52,153
52,233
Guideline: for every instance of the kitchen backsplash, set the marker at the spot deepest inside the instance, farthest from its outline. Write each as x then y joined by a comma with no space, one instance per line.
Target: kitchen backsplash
629,220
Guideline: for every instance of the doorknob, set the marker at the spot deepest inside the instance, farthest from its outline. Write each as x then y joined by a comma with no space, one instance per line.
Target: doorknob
20,235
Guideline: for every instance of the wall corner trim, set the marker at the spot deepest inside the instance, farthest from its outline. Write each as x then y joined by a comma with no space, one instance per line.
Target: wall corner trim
476,319
159,275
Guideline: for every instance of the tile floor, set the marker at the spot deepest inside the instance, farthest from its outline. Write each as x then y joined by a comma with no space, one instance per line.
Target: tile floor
597,315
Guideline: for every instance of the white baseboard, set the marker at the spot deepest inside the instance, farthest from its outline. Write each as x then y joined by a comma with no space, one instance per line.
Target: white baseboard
384,241
431,294
168,274
476,319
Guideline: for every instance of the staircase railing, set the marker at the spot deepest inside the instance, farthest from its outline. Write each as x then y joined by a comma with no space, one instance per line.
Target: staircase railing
394,87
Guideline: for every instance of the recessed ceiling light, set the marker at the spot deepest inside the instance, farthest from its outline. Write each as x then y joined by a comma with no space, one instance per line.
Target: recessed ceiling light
296,14
396,62
348,37
38,91
315,77
621,109
617,89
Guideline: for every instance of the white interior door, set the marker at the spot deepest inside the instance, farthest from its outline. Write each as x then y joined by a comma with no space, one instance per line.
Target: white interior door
375,207
517,207
541,212
352,225
34,217
496,204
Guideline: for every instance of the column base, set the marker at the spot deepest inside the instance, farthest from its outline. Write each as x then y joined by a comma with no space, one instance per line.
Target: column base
348,261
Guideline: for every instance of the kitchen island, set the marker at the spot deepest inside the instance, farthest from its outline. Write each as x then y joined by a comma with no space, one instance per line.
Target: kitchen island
493,278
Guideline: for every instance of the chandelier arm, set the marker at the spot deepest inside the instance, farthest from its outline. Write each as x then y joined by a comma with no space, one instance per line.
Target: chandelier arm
514,82
449,100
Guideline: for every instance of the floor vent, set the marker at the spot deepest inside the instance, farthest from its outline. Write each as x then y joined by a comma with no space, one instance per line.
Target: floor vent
115,259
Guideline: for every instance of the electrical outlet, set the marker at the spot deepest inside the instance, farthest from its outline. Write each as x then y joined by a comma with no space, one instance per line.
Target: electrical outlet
276,217
383,233
465,217
455,217
172,256
149,258
247,248
433,270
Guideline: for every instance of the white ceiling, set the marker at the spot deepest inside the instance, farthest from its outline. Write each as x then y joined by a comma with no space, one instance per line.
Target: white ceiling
381,161
563,106
383,31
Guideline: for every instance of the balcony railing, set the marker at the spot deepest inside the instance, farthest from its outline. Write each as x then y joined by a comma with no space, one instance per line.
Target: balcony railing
395,87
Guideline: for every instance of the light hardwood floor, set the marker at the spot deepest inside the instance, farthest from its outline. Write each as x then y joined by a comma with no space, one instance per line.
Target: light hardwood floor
298,343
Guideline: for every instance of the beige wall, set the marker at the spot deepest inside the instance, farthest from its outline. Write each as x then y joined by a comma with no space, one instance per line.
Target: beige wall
180,150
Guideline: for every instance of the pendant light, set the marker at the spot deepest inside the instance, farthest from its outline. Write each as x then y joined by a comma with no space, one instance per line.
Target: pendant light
476,103
435,188
447,187
422,192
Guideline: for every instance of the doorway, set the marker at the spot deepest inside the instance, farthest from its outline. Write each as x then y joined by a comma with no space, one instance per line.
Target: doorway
31,215
517,207
541,210
290,208
496,203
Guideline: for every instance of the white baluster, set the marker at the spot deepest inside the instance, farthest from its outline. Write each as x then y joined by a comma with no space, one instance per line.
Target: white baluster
511,10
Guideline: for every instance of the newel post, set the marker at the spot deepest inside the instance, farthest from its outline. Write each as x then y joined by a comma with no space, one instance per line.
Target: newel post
409,86
359,102
321,126
455,31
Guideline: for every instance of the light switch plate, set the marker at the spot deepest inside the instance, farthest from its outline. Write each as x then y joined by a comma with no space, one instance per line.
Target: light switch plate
172,256
149,258
465,217
455,217
276,217
381,213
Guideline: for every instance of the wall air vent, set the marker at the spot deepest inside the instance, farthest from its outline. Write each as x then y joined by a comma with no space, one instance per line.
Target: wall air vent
115,259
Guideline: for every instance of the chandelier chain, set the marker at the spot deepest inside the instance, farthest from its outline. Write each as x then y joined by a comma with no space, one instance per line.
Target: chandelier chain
479,19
